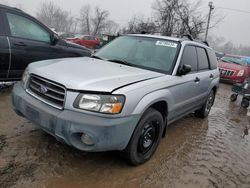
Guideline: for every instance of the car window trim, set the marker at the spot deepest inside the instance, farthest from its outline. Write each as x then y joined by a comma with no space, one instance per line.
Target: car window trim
27,17
210,58
209,67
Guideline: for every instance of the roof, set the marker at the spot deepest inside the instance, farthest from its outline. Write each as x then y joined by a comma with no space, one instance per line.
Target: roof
8,7
187,40
158,37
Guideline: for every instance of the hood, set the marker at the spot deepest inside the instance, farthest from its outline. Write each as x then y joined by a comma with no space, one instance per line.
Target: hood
90,74
230,66
74,45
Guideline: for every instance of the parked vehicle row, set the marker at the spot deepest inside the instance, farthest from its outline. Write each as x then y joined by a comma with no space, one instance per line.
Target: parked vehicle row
88,41
123,97
23,39
234,69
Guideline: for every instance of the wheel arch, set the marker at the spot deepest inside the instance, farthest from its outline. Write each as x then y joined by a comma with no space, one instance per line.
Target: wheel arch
160,100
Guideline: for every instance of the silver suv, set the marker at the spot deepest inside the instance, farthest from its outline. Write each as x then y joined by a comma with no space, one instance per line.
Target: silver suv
123,97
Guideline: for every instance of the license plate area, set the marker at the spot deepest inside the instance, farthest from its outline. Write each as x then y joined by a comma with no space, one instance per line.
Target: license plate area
43,120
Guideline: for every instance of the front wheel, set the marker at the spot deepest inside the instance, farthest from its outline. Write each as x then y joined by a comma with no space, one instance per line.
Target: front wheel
205,109
145,138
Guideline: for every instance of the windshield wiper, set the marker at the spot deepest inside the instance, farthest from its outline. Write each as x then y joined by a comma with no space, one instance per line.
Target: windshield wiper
230,61
120,61
234,62
96,57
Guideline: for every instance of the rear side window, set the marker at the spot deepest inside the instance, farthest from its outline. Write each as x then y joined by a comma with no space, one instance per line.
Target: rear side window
202,59
189,57
25,28
212,59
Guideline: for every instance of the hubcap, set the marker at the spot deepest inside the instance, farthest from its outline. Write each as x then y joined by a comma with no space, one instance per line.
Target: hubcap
209,102
147,137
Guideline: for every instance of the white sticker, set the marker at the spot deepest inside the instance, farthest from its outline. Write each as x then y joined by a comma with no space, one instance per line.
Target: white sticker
166,43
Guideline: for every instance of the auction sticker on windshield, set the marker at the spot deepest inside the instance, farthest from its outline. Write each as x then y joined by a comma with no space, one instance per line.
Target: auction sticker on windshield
166,43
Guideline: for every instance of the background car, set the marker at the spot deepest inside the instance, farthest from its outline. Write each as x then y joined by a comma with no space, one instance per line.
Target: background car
86,40
23,39
234,69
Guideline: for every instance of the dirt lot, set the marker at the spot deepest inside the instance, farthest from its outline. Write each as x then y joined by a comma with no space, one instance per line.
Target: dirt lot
195,153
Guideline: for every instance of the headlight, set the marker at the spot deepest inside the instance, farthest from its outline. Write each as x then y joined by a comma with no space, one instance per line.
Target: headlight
241,72
108,104
25,78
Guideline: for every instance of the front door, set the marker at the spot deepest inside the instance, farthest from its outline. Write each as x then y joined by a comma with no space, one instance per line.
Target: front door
29,42
187,88
4,51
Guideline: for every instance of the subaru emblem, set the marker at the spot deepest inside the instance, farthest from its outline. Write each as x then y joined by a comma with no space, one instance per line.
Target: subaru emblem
43,89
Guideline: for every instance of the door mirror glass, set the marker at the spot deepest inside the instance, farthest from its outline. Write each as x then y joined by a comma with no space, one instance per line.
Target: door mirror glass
184,69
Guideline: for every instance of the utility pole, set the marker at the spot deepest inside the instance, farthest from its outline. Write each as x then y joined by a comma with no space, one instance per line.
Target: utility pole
211,7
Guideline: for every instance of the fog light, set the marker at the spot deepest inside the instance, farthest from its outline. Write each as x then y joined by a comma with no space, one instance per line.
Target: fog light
87,140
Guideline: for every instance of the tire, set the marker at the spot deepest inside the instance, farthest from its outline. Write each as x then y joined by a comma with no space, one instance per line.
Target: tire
145,138
233,97
244,103
206,107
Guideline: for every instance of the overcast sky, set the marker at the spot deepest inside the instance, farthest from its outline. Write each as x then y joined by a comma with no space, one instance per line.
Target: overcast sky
235,27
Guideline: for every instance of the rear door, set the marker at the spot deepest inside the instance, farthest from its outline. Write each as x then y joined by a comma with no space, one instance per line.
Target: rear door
4,50
204,73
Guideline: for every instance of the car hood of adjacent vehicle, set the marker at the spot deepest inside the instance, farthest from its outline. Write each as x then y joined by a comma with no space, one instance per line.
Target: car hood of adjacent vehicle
74,45
88,74
231,66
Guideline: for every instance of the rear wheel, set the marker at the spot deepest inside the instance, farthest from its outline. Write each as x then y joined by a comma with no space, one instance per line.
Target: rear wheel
233,97
145,138
204,111
244,103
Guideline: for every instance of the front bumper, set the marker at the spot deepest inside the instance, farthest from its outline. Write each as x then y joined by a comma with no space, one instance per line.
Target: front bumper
67,126
232,80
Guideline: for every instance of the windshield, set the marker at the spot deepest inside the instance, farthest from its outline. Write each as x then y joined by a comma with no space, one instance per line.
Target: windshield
144,52
235,60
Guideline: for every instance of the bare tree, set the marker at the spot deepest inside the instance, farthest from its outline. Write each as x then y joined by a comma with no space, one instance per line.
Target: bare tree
179,17
96,22
111,27
166,15
85,19
139,25
52,16
99,20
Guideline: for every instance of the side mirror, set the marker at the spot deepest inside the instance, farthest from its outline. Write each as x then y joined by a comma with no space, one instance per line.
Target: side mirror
54,39
184,69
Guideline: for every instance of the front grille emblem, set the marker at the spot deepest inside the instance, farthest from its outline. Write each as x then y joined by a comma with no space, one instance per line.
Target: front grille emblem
43,89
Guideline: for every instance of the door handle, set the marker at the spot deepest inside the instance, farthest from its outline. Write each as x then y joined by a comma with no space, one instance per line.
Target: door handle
197,80
211,76
20,44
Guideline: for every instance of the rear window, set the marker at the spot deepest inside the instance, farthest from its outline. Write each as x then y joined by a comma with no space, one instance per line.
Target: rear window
202,58
212,59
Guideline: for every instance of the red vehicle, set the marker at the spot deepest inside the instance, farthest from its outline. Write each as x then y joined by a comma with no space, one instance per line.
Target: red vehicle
87,41
234,69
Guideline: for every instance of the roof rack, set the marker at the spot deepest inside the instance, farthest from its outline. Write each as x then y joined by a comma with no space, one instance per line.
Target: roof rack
205,42
189,37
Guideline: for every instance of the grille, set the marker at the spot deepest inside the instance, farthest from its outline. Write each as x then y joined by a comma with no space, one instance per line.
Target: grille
47,91
226,72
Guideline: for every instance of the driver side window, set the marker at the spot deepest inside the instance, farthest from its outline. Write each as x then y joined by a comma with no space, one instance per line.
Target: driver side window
189,57
25,28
